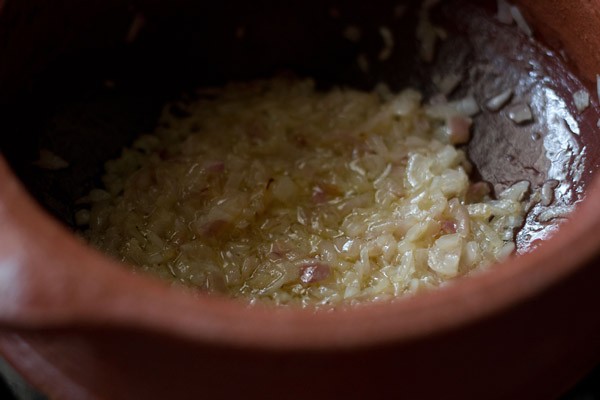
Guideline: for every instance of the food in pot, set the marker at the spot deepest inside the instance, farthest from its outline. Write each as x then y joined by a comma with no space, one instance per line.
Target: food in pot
273,191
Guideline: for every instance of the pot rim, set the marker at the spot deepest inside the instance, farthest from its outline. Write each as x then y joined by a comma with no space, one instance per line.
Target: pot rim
73,285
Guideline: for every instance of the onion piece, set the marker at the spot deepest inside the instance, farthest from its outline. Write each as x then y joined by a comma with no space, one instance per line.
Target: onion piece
214,228
447,83
400,11
438,99
554,213
324,192
448,227
383,91
388,43
215,167
499,101
82,217
516,192
478,191
520,114
363,62
504,14
352,33
406,103
49,160
426,32
314,272
459,129
520,20
135,28
462,222
506,251
466,107
444,255
582,100
98,195
598,86
547,192
284,189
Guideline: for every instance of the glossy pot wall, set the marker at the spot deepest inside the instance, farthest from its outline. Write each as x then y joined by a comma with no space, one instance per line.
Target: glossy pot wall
78,325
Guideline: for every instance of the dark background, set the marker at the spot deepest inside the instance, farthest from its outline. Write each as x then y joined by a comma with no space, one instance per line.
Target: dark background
587,389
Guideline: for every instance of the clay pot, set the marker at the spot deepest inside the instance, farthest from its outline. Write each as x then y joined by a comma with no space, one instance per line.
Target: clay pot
78,325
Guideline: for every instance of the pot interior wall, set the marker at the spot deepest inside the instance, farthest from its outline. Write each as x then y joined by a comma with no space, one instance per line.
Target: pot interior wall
82,80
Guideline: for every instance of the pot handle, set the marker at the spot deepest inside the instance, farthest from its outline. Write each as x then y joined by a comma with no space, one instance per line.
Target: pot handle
48,277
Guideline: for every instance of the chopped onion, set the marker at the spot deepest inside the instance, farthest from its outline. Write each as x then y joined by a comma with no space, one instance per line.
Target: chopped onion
467,107
400,11
284,189
548,192
375,203
506,251
324,192
499,101
136,26
363,62
598,86
581,99
97,195
427,38
49,160
554,213
214,228
384,91
504,14
447,83
314,272
459,129
406,103
477,191
388,43
449,227
462,223
427,33
82,217
214,166
438,99
444,256
520,20
516,192
352,33
520,114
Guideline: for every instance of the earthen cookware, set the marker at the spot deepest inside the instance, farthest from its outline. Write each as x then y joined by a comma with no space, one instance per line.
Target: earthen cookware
83,78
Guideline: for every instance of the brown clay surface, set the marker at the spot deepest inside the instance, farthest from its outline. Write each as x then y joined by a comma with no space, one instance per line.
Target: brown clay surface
80,326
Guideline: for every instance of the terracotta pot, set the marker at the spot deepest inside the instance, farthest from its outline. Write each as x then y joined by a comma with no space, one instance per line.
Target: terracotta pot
78,325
